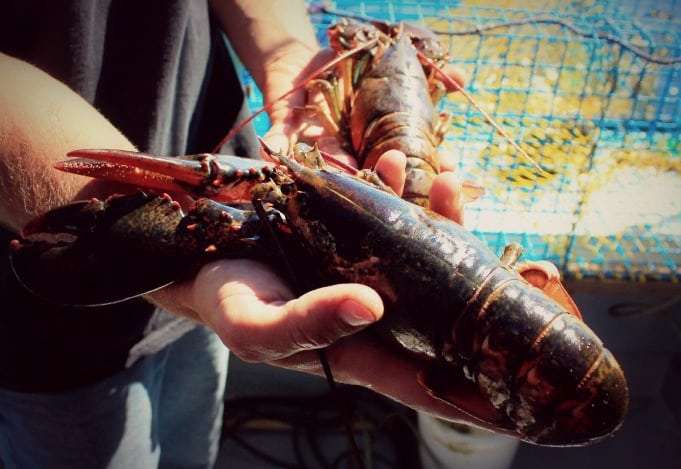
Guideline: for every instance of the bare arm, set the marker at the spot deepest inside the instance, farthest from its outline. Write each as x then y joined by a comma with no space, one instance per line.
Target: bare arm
276,42
273,38
40,121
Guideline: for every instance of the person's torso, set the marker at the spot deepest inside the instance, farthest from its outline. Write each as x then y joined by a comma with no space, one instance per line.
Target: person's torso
162,75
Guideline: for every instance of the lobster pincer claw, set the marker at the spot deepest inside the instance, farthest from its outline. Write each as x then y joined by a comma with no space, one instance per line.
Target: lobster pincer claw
74,245
126,246
220,177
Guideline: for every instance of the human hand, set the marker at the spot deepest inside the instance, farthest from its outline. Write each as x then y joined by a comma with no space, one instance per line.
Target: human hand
259,318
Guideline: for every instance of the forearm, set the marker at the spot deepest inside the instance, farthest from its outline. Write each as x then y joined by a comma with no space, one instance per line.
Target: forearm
40,121
274,39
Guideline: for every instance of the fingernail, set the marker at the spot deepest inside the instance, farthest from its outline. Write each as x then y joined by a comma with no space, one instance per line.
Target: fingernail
356,314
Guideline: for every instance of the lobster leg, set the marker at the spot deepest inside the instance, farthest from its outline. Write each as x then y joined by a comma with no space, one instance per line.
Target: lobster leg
330,115
334,101
442,124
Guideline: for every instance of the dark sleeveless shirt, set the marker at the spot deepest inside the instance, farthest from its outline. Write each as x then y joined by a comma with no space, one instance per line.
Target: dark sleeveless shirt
161,72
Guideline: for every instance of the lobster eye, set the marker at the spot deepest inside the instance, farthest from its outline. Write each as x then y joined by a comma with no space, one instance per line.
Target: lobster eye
288,188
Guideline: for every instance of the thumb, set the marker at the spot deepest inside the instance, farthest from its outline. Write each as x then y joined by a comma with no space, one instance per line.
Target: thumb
277,137
274,331
320,317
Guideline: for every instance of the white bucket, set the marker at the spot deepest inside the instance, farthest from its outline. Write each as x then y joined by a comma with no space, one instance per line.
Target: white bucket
451,446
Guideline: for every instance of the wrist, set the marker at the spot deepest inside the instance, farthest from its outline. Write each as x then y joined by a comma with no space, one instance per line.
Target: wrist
285,68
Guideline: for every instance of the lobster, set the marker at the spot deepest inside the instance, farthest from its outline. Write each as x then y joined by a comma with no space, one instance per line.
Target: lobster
493,345
384,100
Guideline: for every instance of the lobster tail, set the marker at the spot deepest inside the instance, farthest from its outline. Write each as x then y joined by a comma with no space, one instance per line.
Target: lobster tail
545,373
412,135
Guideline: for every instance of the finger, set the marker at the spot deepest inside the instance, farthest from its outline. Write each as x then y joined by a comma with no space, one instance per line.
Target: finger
320,317
315,320
391,167
363,360
445,196
277,138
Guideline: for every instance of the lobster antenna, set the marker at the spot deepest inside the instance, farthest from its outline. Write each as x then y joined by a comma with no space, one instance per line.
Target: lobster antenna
451,82
303,82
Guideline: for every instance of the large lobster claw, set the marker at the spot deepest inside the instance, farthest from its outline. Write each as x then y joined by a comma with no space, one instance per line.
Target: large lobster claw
130,245
126,246
71,245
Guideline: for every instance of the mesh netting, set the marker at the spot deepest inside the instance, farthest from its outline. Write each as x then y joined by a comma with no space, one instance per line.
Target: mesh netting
591,91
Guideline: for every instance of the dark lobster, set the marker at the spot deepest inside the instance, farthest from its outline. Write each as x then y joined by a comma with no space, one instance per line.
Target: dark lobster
383,99
494,346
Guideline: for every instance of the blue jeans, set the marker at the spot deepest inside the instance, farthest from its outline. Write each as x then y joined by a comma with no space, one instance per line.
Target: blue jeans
163,411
